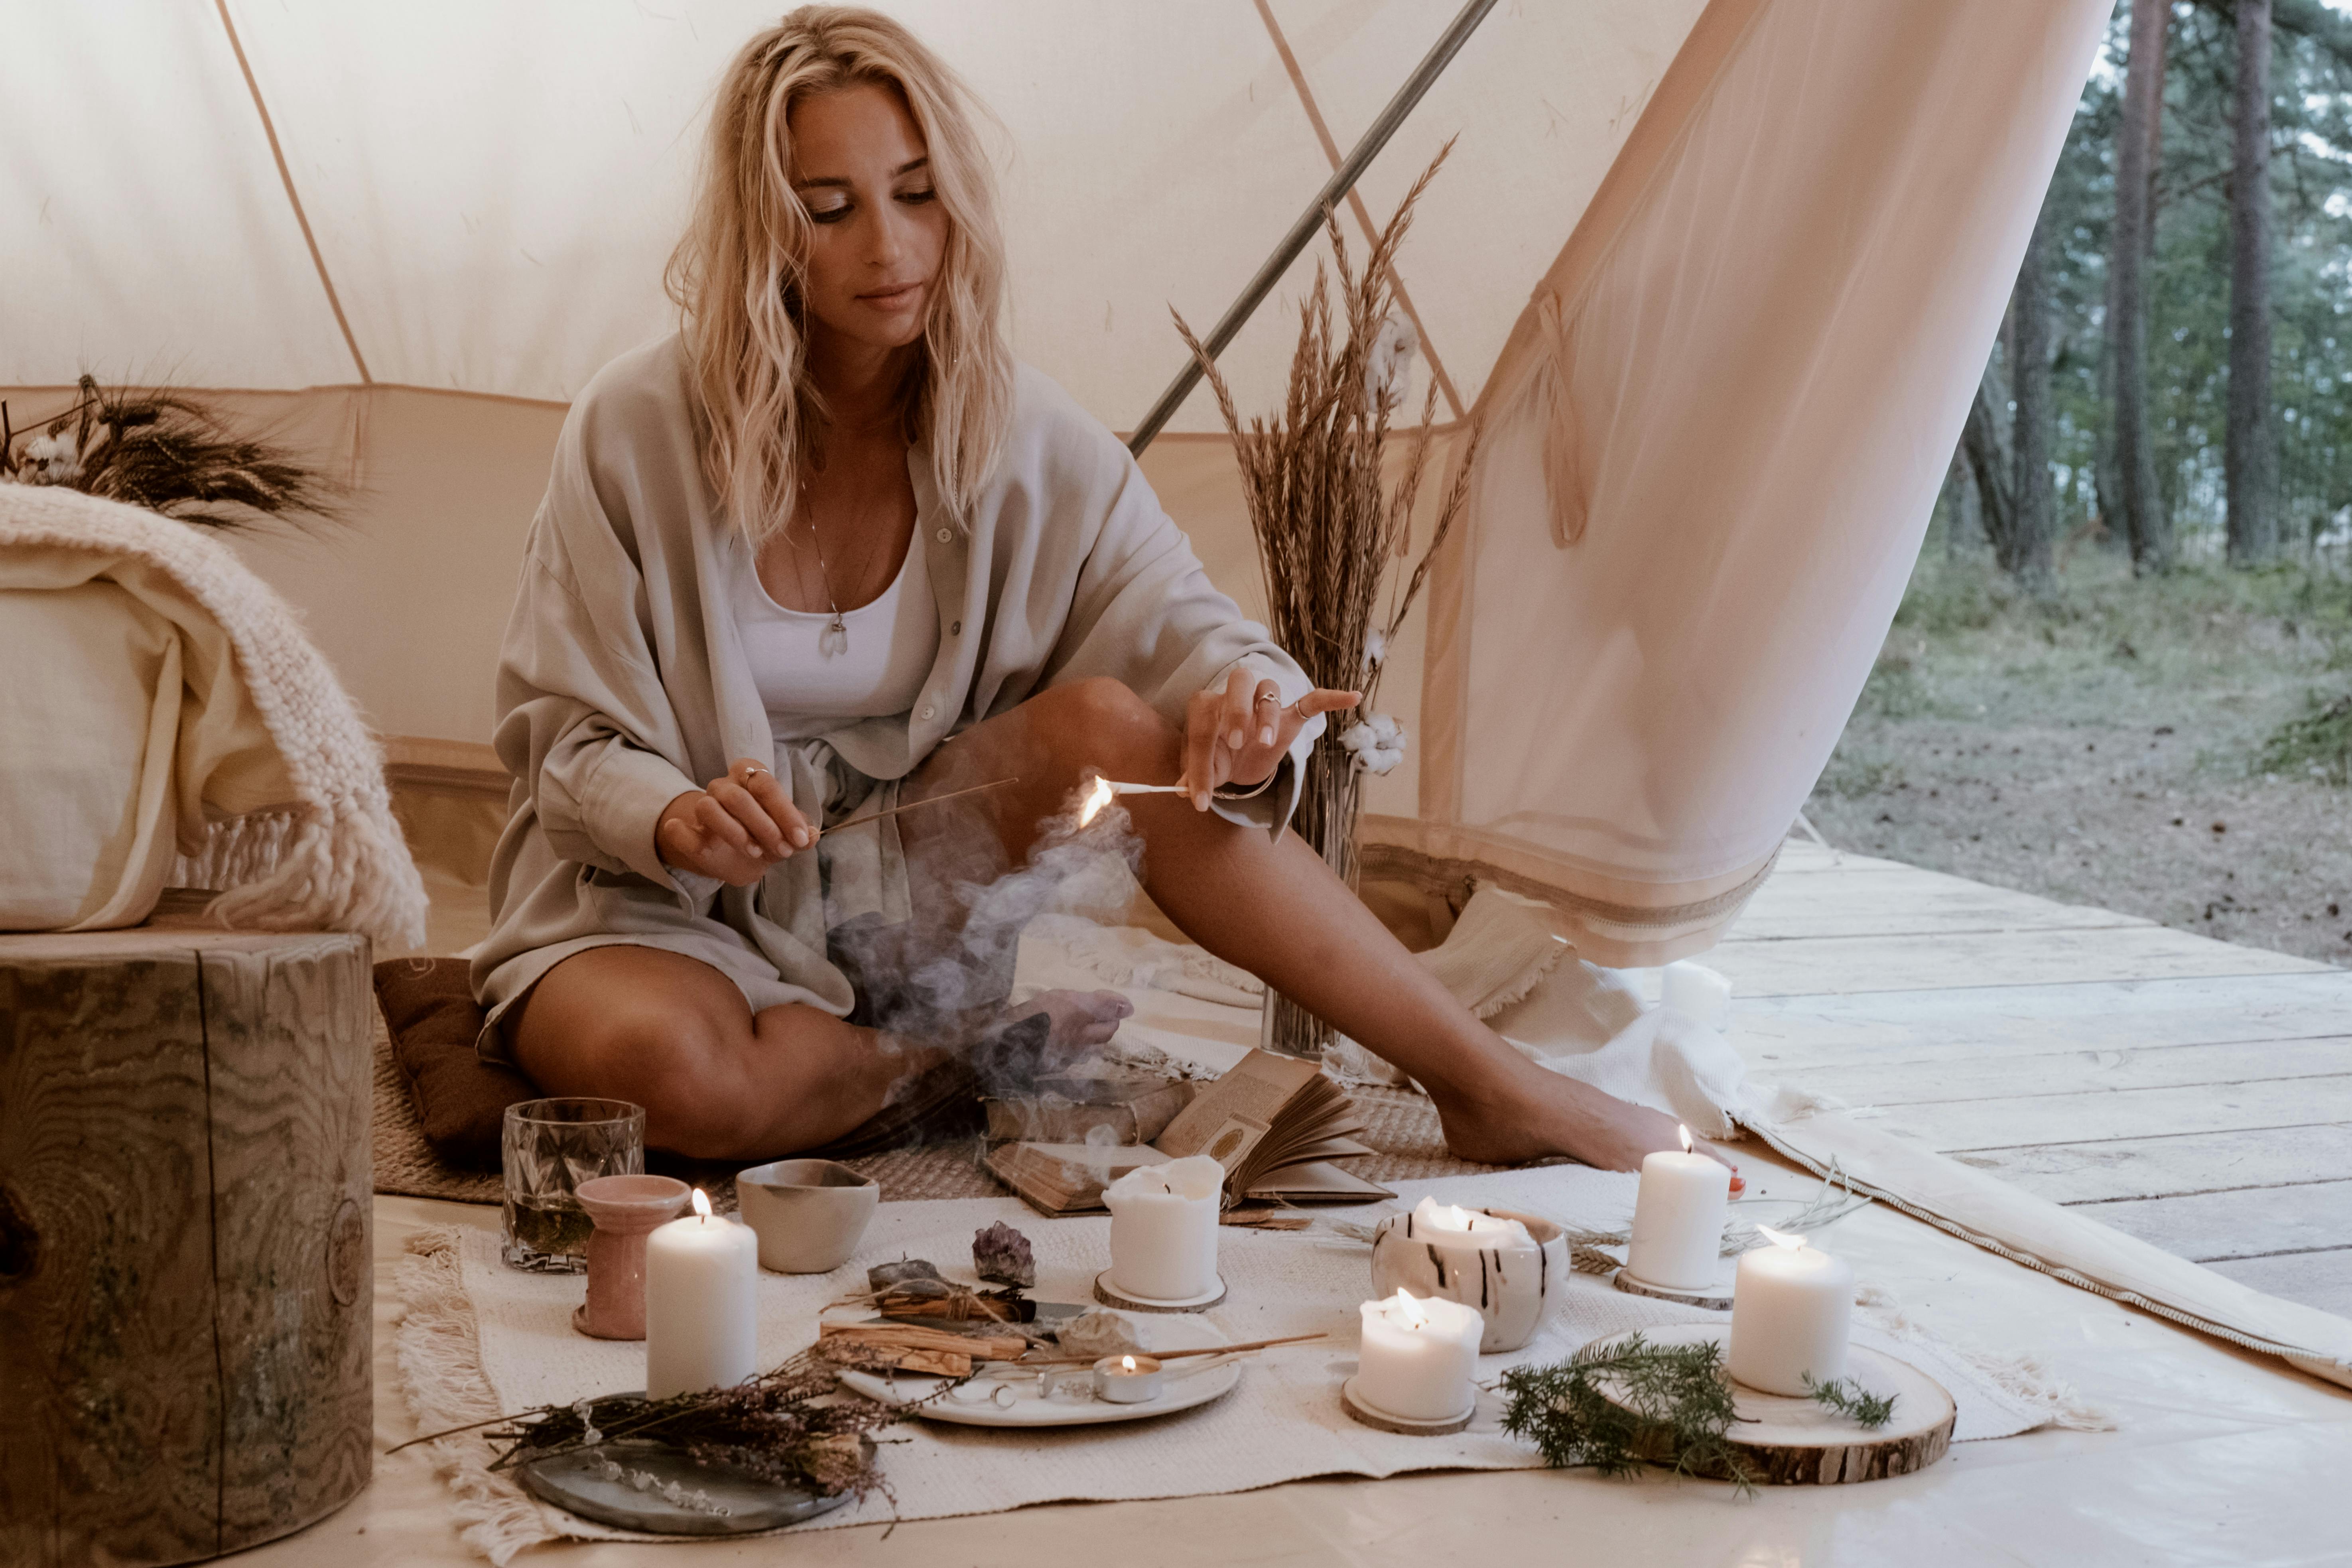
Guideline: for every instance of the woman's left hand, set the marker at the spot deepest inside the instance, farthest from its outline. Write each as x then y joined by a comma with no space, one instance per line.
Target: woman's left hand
1239,735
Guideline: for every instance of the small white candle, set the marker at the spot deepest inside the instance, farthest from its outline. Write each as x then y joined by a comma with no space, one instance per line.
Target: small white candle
702,1286
1418,1357
1789,1313
1128,1379
1164,1229
1696,991
1678,1219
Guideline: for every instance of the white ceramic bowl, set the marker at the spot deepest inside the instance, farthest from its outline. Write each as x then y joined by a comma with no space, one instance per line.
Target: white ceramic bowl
808,1214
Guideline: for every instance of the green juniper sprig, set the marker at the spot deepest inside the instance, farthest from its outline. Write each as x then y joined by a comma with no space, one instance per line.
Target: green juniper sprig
1847,1398
1668,1405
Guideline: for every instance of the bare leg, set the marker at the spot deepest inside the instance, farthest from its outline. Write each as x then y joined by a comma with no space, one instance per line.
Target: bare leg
675,1036
1271,906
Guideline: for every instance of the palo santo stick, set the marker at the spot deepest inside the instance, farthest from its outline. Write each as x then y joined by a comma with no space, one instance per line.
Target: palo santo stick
1179,1356
913,1336
927,800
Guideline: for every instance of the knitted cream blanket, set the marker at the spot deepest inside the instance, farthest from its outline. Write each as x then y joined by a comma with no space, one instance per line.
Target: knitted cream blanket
331,857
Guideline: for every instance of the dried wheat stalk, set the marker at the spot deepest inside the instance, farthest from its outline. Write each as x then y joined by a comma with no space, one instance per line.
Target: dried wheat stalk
1325,526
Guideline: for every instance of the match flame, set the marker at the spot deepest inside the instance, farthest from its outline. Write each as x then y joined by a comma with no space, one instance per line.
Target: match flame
1687,1137
701,1205
1782,1237
1127,1364
1099,795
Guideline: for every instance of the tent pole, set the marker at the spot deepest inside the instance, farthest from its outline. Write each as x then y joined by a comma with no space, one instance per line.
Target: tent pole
1439,55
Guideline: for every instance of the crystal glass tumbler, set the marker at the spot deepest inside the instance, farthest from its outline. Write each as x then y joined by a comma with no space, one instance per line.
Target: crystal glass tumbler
550,1146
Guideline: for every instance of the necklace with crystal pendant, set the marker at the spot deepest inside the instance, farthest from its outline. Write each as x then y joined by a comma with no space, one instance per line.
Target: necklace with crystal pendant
835,639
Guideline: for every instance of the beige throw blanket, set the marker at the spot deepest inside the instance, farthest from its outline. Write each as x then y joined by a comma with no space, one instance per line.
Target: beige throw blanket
166,720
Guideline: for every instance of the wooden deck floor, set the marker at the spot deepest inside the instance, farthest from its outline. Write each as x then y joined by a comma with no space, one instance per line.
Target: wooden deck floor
2193,1093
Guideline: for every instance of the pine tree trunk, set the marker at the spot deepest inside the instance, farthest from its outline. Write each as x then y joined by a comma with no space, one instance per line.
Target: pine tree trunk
2248,457
1990,462
2029,371
2135,146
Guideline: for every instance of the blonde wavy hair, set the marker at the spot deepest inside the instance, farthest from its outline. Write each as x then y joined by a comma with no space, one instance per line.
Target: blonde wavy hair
737,274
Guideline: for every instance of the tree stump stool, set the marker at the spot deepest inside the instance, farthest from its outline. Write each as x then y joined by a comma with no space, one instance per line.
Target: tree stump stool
186,1280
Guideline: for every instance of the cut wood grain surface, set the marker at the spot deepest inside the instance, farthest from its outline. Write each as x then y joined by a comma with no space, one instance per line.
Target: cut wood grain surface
185,1270
2191,1092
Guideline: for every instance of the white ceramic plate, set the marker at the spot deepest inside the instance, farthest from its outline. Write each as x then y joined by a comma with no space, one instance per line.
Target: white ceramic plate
1031,1408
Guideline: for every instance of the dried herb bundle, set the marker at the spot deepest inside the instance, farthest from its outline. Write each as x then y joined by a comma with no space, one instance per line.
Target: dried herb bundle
792,1425
1327,526
166,453
1672,1405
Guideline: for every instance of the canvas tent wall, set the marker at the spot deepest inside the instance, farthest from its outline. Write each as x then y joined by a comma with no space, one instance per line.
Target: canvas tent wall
1719,272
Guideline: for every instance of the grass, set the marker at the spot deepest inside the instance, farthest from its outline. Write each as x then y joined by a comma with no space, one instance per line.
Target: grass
2177,748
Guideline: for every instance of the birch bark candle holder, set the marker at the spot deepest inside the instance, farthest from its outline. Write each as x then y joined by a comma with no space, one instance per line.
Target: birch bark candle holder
1497,1263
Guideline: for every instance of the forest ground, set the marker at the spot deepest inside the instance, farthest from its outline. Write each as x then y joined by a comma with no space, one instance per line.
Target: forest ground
2114,744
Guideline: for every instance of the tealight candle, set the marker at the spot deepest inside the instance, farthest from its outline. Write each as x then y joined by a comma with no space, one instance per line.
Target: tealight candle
1789,1316
1164,1229
1418,1357
1128,1379
1678,1219
702,1283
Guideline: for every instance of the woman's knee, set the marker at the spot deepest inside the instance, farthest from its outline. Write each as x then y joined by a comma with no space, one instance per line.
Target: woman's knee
1101,723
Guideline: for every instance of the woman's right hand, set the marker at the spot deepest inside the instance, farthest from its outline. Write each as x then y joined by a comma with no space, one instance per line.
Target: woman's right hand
733,830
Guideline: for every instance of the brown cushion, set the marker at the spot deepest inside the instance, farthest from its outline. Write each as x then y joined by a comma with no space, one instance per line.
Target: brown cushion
460,1099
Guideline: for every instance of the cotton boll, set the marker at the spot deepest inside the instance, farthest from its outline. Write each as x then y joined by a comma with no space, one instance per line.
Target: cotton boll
57,458
1378,742
1387,365
1376,649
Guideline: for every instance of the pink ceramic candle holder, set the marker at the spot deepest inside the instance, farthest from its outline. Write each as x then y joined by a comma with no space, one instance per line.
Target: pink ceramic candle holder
625,1209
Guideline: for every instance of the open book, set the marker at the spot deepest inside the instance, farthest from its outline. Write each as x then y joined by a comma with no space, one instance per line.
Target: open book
1275,1124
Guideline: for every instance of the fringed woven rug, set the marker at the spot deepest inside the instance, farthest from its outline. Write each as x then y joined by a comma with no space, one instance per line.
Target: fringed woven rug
476,1339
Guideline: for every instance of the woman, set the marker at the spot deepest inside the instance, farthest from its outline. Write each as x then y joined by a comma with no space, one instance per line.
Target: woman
828,550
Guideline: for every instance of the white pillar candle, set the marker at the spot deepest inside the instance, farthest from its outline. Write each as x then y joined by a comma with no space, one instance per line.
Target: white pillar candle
702,1287
1678,1219
1164,1229
1789,1312
1418,1357
1696,991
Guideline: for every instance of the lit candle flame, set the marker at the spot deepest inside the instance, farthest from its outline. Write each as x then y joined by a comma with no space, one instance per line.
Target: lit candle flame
701,1205
1408,1313
1457,1216
1099,795
1782,1237
1687,1137
1127,1364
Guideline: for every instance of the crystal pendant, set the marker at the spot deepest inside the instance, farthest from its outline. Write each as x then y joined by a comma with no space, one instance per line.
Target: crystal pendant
833,640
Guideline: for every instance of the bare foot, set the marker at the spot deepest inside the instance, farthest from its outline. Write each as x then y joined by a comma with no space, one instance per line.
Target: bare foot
1540,1113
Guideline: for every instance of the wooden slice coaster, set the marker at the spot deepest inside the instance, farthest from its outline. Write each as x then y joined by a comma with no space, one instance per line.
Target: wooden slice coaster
1716,1297
1382,1421
1783,1440
1109,1297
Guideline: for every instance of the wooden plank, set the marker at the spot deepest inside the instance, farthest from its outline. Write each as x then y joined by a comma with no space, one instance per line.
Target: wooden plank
1907,902
2321,1280
2020,1120
2067,1072
1846,965
2250,1222
2162,1166
1979,1022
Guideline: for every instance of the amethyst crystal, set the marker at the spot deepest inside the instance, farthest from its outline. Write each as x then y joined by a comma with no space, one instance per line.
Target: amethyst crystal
1002,1253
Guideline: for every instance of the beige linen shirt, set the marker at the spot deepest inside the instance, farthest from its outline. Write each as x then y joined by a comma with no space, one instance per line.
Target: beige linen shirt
622,682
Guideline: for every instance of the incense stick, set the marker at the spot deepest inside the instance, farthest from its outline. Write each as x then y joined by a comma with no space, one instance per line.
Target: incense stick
929,800
1170,1355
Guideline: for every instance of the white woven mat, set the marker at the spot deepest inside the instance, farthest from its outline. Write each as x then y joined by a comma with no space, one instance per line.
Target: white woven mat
1283,1422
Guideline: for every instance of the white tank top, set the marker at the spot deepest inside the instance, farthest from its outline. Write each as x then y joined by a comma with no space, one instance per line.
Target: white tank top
809,684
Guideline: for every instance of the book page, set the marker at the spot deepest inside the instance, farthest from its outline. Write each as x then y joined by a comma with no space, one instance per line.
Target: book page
1229,1117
